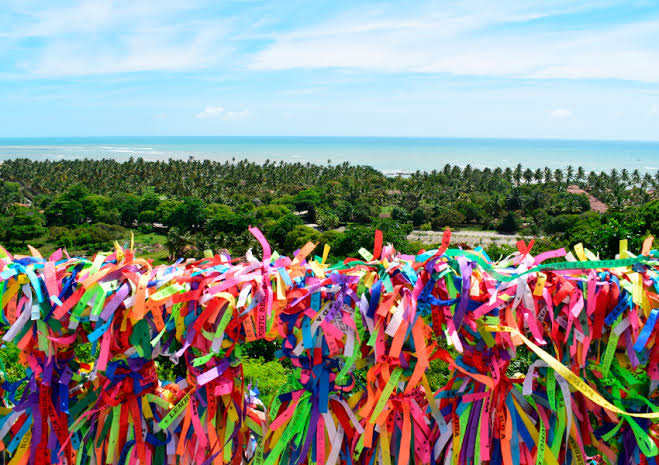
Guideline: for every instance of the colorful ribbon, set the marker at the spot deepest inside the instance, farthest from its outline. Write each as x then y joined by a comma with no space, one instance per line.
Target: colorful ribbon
362,336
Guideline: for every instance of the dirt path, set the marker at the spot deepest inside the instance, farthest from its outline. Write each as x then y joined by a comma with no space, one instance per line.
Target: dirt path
471,238
595,205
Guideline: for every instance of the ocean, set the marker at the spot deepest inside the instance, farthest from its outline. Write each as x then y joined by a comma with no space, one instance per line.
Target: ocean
390,155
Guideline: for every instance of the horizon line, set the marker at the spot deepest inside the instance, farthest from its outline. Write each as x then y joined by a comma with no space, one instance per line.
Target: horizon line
550,139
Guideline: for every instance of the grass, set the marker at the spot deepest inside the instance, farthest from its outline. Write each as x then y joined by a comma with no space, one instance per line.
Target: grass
471,227
150,238
152,245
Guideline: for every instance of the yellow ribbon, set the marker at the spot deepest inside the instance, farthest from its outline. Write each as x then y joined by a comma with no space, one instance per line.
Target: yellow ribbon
571,378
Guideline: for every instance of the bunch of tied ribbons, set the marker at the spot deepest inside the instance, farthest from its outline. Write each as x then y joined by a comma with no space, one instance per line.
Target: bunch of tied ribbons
361,335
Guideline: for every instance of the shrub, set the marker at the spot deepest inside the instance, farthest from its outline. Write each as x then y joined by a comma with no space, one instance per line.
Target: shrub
446,217
267,377
509,224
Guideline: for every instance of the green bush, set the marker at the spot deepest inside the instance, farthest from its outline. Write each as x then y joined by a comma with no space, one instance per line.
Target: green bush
12,369
510,223
358,236
23,224
268,377
447,217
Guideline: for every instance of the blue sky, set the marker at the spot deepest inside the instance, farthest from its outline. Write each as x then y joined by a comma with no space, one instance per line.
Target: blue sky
555,69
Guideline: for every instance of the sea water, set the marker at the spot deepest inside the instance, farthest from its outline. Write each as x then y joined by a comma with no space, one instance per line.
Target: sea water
390,155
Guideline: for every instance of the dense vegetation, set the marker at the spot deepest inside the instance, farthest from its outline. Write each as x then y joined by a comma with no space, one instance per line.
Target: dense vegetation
191,206
194,205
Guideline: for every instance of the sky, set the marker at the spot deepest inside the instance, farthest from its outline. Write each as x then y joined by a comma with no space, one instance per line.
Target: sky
512,69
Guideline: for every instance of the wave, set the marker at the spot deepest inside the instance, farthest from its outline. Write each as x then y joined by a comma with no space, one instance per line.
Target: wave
42,147
125,148
129,151
397,172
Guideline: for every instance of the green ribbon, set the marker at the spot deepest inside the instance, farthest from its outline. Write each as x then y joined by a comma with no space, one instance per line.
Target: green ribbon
175,412
386,393
586,265
610,351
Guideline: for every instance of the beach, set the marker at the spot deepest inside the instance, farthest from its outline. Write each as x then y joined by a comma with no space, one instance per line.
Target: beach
392,156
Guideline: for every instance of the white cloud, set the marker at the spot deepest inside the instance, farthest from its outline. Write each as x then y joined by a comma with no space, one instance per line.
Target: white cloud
460,40
93,16
561,113
96,37
64,58
654,109
236,115
470,37
210,112
161,116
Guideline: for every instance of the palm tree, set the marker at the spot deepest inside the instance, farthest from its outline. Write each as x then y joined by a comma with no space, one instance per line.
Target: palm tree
614,178
517,174
624,176
548,175
647,182
618,196
466,173
569,174
508,175
537,175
